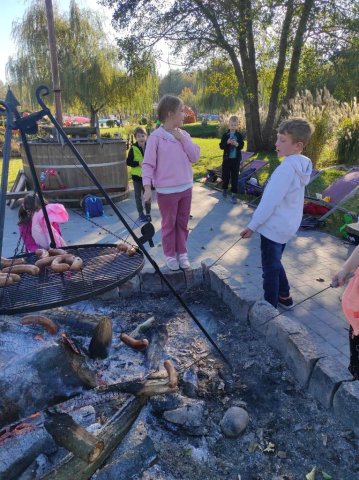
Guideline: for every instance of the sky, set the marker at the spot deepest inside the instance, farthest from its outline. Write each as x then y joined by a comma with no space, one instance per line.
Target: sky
13,10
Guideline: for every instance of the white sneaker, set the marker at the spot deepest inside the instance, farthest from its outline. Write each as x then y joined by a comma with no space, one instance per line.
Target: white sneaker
172,263
183,261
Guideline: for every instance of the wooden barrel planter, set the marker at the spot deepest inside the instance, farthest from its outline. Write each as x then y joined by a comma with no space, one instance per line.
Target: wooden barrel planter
106,159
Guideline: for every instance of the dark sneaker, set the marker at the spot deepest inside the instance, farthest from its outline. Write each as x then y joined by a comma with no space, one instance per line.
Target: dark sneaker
285,302
224,193
143,218
148,217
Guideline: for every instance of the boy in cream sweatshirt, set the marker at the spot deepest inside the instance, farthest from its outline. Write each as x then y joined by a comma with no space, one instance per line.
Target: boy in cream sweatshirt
280,211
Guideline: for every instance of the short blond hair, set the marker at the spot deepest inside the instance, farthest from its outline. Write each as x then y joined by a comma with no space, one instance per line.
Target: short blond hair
298,128
233,119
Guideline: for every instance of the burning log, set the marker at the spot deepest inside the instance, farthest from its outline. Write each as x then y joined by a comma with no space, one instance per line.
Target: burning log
141,388
111,434
69,434
79,322
101,339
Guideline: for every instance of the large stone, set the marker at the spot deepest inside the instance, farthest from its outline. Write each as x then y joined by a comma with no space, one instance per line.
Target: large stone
190,415
260,314
216,276
234,422
346,405
278,332
150,281
327,375
301,356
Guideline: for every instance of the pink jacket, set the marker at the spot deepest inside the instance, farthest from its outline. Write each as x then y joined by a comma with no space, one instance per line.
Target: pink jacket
168,162
57,213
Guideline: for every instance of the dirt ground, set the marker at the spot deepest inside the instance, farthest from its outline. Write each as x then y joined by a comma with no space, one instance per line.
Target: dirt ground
289,434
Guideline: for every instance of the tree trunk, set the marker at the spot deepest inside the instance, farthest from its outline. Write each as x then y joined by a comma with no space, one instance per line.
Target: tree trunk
297,49
273,102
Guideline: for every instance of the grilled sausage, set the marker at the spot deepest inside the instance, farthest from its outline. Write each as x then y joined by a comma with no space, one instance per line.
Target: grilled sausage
59,265
6,281
172,374
44,262
32,269
7,262
41,253
56,251
131,251
14,277
122,247
76,265
41,320
133,342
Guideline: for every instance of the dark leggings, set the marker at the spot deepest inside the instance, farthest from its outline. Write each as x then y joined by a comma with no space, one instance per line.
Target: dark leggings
354,354
230,171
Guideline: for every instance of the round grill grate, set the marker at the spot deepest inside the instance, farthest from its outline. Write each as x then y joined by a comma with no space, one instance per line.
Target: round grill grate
104,268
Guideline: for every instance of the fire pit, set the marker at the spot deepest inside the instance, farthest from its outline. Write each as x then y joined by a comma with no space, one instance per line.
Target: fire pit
180,435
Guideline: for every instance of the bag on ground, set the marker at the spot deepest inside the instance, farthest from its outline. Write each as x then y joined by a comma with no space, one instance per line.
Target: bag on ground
92,206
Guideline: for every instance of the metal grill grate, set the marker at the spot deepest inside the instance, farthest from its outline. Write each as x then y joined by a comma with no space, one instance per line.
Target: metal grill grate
100,273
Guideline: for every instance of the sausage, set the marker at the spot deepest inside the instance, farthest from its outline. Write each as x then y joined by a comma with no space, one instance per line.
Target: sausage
133,342
14,277
62,263
6,281
122,247
7,262
76,265
56,251
172,374
44,262
32,269
131,251
41,320
41,253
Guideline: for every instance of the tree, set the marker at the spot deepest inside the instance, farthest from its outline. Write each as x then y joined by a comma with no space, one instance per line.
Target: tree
90,73
236,28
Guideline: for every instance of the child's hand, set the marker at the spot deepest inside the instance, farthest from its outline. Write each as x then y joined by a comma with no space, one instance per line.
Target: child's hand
246,233
340,278
177,133
147,196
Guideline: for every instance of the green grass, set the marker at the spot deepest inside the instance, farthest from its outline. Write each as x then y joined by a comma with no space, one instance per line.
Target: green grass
15,165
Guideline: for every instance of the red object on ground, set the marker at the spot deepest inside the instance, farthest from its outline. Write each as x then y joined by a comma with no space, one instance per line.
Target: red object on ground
190,116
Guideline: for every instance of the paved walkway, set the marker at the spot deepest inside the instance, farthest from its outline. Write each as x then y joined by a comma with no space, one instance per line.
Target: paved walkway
310,259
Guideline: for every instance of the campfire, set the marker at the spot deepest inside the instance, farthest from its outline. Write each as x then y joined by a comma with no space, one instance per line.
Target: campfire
131,388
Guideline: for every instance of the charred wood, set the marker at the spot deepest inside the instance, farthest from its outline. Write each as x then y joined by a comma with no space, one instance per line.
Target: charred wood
111,434
101,339
69,434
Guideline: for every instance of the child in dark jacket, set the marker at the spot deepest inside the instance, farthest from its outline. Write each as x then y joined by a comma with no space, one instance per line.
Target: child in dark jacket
231,144
134,160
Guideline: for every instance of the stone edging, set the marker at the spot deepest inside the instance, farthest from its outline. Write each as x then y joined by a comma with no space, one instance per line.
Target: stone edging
324,377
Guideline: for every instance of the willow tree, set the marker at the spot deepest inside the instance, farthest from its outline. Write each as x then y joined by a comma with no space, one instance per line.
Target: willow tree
90,72
235,29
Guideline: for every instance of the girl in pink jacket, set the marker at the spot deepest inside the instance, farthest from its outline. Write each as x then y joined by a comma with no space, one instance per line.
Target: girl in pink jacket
32,224
167,164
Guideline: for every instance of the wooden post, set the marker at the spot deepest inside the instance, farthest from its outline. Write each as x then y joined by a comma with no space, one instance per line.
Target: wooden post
53,59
